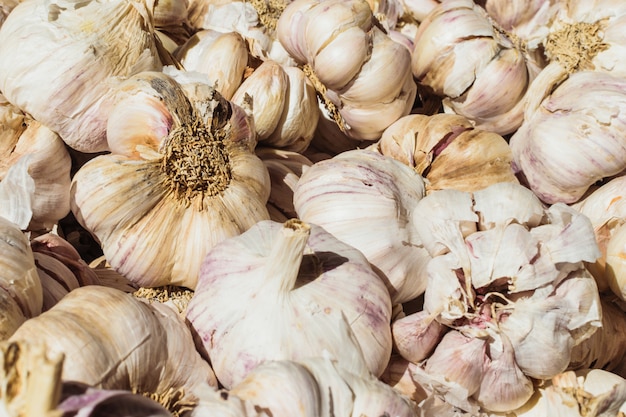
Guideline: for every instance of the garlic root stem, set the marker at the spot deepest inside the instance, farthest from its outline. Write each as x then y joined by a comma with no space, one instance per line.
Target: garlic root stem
287,253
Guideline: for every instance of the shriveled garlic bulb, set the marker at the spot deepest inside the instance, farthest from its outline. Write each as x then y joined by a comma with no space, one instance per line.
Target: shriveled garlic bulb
508,279
181,177
309,291
112,340
223,56
284,105
475,66
448,151
34,171
571,136
60,59
368,88
366,199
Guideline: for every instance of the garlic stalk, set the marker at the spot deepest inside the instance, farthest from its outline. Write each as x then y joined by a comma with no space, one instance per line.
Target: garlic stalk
508,273
311,293
71,55
366,199
108,336
182,175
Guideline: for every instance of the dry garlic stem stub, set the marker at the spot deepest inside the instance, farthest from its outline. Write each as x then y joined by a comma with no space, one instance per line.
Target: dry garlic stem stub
584,393
448,151
223,57
310,292
21,294
182,176
284,105
573,136
34,171
30,380
112,340
69,58
366,89
365,199
508,279
476,67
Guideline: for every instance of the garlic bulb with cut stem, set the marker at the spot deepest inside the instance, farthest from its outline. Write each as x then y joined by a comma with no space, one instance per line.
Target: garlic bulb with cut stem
310,292
507,275
365,199
479,69
182,176
108,337
59,61
448,151
34,171
222,56
316,33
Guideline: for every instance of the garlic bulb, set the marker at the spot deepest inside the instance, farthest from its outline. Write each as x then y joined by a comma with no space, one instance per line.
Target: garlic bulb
365,199
571,137
448,151
70,56
34,171
317,34
182,176
21,293
615,273
476,67
309,291
284,105
223,57
507,275
108,336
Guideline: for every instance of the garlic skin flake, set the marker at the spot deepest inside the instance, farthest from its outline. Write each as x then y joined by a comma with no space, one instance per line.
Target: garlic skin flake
184,181
310,292
69,58
510,275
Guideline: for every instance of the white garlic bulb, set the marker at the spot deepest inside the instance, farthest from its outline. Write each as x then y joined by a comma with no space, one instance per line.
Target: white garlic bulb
366,199
182,176
309,291
60,59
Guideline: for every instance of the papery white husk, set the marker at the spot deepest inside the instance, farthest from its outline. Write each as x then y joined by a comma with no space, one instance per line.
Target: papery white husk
60,60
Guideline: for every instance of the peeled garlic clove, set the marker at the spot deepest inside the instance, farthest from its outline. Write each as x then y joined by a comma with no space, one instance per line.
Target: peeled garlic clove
308,298
70,94
180,202
222,56
267,88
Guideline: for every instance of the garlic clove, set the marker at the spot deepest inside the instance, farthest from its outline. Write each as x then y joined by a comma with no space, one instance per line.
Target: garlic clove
289,28
416,335
507,202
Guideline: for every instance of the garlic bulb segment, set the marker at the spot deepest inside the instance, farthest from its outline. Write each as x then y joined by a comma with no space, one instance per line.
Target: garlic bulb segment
448,151
85,48
108,336
30,380
37,168
513,277
468,63
366,199
311,292
285,169
182,185
615,271
19,274
606,208
416,335
571,139
317,33
223,56
529,20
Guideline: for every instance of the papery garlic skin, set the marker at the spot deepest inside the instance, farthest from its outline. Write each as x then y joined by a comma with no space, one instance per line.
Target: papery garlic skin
512,277
573,137
148,189
366,200
69,56
312,293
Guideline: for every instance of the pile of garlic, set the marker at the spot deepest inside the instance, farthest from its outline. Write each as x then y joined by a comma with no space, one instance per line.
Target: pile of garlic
316,208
